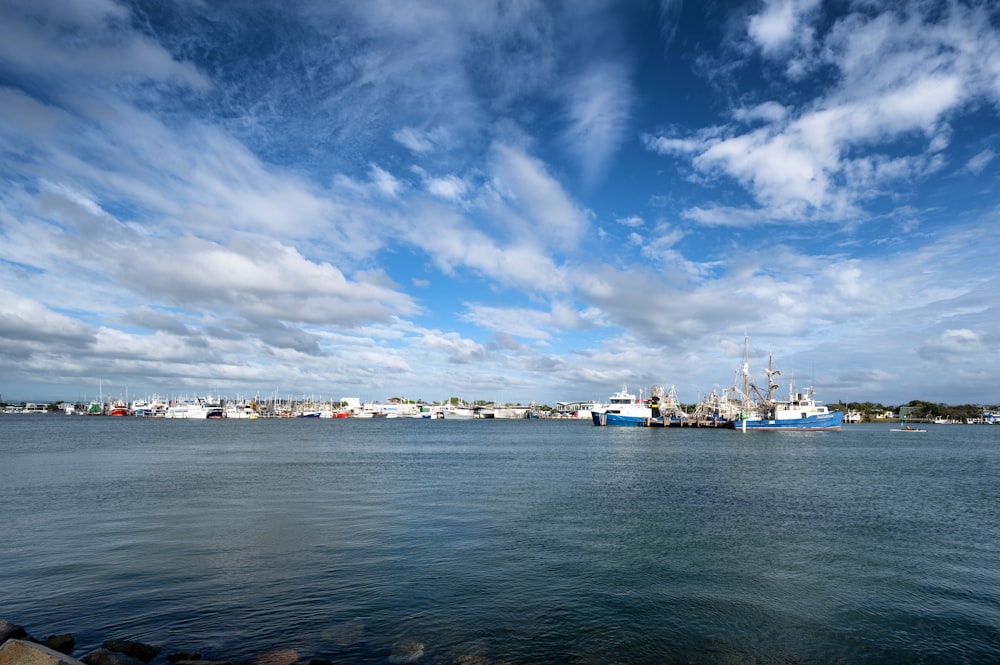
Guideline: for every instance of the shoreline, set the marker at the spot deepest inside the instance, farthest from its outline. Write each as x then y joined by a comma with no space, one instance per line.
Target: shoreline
18,647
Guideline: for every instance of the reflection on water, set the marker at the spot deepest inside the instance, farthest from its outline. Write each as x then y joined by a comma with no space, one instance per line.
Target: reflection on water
526,541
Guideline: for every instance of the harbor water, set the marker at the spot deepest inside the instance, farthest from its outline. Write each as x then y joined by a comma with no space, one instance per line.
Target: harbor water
524,541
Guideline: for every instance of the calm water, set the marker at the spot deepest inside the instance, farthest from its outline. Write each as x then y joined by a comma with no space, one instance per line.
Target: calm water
527,541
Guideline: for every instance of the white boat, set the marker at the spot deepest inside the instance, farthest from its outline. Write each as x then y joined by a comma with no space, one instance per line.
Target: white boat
240,411
458,412
197,409
152,408
624,409
580,410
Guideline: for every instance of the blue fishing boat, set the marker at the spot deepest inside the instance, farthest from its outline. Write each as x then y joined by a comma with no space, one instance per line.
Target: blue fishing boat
800,412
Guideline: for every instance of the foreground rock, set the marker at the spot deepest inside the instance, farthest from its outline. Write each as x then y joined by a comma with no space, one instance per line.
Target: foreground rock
21,652
136,650
9,631
62,643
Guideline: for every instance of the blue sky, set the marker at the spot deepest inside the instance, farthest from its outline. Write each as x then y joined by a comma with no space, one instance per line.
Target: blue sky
520,201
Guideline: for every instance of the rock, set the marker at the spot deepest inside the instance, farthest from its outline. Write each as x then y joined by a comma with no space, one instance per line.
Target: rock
20,652
202,662
406,651
105,656
137,650
320,661
346,633
277,657
62,643
182,655
10,631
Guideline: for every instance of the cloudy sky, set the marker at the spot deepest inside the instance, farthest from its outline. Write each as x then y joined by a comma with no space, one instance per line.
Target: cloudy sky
515,200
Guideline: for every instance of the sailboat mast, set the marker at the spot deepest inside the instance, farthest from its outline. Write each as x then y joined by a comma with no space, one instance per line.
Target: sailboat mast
746,371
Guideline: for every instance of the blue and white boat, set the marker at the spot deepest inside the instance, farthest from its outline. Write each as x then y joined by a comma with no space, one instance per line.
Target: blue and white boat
624,410
800,412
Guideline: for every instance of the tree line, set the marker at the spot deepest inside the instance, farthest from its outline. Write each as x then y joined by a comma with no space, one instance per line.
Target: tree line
916,409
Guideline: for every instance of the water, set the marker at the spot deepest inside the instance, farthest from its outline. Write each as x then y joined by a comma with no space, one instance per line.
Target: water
490,541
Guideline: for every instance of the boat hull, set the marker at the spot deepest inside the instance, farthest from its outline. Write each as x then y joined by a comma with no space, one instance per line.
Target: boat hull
830,422
605,419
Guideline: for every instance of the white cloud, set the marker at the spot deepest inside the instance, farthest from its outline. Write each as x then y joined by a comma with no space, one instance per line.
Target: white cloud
450,187
826,158
385,182
599,103
633,221
979,161
771,112
413,139
100,47
548,212
955,341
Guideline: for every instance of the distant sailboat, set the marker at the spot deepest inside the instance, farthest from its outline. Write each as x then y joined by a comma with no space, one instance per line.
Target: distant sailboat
903,427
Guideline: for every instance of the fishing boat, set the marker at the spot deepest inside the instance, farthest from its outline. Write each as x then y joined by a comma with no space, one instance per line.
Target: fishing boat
624,409
800,412
197,409
903,427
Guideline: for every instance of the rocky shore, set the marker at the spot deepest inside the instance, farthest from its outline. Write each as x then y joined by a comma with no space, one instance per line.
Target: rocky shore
17,647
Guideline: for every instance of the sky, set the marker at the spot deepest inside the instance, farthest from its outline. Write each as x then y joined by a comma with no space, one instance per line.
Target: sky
511,200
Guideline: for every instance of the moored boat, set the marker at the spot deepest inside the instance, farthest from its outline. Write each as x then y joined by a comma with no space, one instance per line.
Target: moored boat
240,411
800,412
624,409
196,409
458,412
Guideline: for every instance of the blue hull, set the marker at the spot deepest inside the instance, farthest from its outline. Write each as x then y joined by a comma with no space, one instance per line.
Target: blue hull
616,420
830,422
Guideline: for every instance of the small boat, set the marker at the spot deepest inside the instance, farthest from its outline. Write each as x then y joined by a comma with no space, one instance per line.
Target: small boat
903,427
118,408
624,409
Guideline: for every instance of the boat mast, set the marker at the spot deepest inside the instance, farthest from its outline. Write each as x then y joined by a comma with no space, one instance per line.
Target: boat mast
772,385
746,372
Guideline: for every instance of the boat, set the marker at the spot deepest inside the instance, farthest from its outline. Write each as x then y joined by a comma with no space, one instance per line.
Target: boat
240,410
670,407
118,408
624,409
458,412
800,412
197,409
903,427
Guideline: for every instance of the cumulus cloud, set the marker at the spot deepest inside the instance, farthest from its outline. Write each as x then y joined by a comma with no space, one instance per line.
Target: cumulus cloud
830,156
782,24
